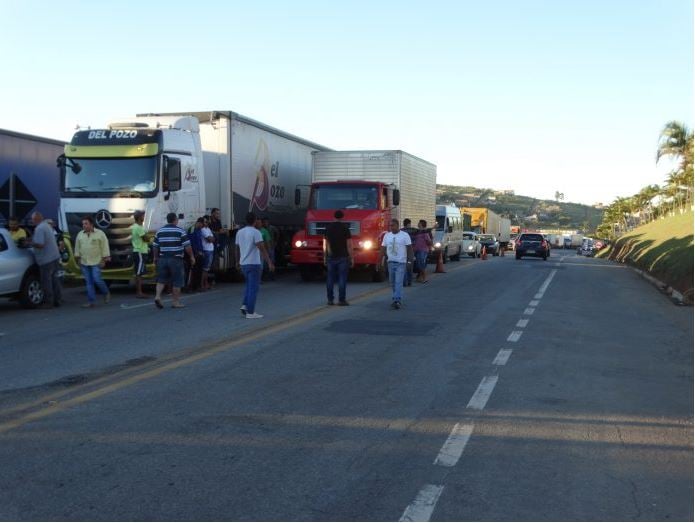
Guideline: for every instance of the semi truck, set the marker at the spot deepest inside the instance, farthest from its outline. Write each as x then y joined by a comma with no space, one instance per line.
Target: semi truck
185,163
486,221
29,177
371,188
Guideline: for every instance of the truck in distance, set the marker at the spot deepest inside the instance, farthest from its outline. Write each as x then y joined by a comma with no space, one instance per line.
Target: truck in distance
371,188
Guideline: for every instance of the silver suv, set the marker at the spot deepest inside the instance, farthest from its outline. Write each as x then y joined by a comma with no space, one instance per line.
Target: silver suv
19,274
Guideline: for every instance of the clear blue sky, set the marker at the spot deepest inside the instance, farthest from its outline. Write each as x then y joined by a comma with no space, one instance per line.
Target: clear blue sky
535,96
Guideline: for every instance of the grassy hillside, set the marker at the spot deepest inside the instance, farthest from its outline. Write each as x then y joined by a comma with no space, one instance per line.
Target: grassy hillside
664,248
524,210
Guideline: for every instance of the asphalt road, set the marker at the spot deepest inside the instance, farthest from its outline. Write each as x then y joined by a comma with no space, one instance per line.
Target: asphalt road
503,390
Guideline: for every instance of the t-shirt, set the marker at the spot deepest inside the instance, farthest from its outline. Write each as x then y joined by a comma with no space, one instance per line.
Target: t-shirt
44,235
18,234
196,239
91,247
422,241
205,233
246,239
171,241
265,234
396,246
337,236
137,231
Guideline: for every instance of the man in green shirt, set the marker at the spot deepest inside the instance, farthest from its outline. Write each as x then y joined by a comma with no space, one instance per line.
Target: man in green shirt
140,250
92,252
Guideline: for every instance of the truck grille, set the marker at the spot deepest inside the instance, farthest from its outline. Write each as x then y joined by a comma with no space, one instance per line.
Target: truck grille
319,228
118,234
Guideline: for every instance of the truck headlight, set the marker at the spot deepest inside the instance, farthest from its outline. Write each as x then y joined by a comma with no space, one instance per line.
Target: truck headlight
366,244
438,245
299,244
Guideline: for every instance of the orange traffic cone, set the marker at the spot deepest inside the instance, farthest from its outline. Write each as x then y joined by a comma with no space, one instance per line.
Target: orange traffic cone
440,263
483,255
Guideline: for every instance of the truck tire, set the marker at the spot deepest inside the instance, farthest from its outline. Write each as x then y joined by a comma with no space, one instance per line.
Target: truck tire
458,255
307,272
31,293
379,275
445,255
472,254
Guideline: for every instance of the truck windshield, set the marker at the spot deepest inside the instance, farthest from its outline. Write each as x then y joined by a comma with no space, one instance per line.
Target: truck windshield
113,175
440,222
344,197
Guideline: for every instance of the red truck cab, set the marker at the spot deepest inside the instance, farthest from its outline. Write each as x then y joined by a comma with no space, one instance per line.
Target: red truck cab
367,208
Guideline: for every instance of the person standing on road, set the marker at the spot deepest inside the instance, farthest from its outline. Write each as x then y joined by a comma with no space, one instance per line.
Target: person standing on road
92,253
18,234
170,244
408,229
271,240
397,248
337,257
195,273
140,249
208,240
422,245
250,247
47,255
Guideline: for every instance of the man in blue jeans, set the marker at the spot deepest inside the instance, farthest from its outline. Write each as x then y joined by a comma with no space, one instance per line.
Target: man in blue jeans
250,247
397,248
337,257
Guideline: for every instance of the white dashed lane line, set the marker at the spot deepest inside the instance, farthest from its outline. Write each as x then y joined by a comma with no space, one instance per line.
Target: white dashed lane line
529,311
454,445
502,357
421,509
522,323
483,393
533,303
514,336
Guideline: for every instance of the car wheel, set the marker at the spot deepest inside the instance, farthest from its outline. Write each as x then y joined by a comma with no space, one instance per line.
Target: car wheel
517,256
31,293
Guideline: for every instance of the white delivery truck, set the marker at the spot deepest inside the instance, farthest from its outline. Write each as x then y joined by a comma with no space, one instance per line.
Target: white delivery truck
188,164
371,188
576,241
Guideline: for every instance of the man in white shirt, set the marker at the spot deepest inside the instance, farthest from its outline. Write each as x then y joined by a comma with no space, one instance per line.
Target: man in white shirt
397,247
249,249
208,253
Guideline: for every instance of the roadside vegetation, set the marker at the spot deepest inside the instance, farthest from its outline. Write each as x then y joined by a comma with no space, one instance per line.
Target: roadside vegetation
663,248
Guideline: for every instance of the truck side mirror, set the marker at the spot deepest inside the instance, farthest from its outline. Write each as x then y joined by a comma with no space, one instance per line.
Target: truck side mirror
171,179
396,197
297,196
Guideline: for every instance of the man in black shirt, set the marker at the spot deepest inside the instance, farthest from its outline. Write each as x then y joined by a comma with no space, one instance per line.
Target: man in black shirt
337,256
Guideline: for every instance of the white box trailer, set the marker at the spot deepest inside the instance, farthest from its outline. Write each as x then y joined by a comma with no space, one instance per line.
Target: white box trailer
416,179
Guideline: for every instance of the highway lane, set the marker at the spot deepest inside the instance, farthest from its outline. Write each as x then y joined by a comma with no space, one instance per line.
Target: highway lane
366,413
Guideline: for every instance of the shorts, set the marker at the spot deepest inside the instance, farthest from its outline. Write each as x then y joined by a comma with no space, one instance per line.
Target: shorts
421,260
139,263
207,260
170,270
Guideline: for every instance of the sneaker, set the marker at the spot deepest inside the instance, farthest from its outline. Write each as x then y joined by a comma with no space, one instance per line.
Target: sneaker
343,303
107,298
243,309
253,316
330,302
396,304
87,305
158,303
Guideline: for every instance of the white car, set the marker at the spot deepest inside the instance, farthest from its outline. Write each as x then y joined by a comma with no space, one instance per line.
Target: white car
19,274
471,245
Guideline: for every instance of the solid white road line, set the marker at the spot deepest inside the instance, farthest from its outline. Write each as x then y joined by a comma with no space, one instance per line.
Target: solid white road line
454,445
547,281
482,394
514,336
529,311
421,509
522,323
534,303
502,357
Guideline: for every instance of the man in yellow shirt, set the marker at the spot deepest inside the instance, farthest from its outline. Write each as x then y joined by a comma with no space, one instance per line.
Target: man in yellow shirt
16,232
92,252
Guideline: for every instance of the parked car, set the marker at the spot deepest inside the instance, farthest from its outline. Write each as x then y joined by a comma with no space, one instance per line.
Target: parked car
587,248
19,274
531,244
489,241
471,245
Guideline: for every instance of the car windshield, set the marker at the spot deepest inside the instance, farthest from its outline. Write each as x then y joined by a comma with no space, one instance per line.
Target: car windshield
112,175
469,236
328,197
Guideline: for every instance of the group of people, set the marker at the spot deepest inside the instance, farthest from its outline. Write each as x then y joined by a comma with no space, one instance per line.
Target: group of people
405,251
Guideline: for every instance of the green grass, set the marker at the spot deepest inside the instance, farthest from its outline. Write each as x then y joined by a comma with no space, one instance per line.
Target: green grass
664,248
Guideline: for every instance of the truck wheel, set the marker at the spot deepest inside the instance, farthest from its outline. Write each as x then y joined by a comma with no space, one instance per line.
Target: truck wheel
31,293
379,275
445,255
458,255
307,272
472,254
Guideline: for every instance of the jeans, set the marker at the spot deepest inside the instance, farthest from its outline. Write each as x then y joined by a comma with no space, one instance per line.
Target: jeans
50,282
396,272
337,270
408,274
421,260
92,277
252,275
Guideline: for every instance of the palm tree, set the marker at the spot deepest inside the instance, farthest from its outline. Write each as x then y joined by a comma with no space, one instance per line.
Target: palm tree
676,141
